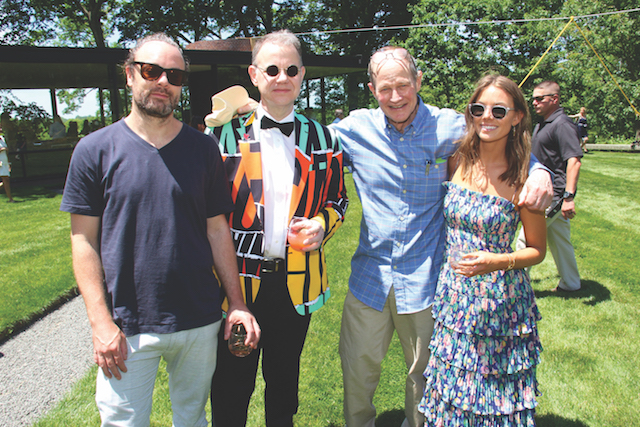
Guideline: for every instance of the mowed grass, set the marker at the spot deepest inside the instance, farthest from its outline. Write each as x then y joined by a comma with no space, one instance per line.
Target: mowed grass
35,255
589,372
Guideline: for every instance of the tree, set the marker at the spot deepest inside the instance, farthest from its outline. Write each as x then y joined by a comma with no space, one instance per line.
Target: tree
331,15
61,22
453,56
29,120
189,21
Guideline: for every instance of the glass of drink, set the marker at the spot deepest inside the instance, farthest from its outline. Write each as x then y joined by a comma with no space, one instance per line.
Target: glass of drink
237,347
457,253
296,236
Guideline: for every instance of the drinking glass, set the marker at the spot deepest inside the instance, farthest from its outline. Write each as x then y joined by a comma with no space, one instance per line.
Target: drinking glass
237,347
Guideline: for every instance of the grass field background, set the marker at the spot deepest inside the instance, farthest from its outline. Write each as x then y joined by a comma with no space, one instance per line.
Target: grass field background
589,372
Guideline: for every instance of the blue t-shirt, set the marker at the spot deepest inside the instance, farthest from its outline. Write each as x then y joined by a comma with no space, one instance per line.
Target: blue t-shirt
154,206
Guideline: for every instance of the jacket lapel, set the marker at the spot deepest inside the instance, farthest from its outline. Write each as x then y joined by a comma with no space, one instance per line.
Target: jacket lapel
302,162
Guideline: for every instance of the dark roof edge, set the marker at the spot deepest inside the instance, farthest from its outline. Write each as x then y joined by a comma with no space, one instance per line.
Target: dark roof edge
89,55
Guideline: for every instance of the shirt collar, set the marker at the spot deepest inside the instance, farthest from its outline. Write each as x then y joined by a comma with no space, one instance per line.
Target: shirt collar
261,112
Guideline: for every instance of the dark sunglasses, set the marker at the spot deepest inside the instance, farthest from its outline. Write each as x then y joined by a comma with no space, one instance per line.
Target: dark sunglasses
497,111
152,72
542,97
273,70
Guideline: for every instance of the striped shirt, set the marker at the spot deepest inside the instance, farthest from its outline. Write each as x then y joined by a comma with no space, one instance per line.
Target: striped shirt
398,179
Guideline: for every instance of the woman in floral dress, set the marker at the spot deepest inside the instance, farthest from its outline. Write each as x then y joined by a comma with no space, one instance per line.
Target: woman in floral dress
485,344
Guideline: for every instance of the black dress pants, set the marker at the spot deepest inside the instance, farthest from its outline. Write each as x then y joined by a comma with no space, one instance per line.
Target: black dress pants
283,334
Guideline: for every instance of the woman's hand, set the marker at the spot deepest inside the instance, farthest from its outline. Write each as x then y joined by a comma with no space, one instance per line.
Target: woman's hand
476,263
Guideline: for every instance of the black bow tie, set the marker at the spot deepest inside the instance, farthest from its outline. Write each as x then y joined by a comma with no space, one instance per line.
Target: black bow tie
285,128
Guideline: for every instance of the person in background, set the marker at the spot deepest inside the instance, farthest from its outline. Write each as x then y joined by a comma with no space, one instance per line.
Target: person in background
86,127
72,132
485,344
583,133
57,129
148,199
339,115
556,143
197,122
282,167
5,168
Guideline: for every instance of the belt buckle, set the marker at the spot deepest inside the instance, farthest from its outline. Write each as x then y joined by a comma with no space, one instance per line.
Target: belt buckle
272,265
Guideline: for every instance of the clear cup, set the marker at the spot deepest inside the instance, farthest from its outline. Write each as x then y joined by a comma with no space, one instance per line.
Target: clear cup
237,347
457,252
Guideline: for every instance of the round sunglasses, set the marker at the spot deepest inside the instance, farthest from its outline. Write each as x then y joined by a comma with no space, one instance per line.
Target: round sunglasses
497,111
152,72
273,70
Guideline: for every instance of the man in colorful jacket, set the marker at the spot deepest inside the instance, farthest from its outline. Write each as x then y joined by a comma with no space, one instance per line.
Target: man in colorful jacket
281,165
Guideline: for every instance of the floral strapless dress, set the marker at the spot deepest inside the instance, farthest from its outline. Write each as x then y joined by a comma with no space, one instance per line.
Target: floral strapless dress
485,344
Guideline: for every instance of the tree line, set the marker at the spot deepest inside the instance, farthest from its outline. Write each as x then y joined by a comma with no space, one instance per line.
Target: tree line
454,42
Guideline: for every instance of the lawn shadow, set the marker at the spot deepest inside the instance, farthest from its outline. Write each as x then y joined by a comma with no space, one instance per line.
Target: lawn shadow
395,418
23,324
591,292
553,420
28,191
392,418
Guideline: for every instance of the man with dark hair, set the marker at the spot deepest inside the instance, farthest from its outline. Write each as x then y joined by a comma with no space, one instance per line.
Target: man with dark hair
281,166
556,144
148,199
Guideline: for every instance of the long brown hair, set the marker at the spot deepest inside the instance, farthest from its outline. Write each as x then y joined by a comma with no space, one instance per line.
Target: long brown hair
518,148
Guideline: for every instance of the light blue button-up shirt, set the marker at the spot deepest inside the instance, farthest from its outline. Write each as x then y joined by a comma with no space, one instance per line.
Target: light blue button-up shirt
399,178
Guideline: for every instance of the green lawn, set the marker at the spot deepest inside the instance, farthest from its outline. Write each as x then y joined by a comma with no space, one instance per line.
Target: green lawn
589,372
34,254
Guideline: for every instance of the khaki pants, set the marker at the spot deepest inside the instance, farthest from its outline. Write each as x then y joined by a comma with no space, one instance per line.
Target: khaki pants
365,336
559,242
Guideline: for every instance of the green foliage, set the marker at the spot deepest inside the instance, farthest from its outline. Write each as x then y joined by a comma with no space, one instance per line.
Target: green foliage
72,98
54,22
22,120
453,56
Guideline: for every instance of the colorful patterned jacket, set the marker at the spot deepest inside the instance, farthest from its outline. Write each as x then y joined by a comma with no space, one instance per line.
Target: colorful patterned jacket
318,193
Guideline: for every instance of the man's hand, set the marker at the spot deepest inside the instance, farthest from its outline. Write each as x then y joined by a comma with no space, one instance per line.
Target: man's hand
568,209
314,231
248,107
537,191
241,314
110,350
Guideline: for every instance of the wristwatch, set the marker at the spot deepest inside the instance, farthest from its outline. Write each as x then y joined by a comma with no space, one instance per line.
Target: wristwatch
568,195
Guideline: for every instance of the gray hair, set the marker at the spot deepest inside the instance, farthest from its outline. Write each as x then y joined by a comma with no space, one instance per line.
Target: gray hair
407,59
280,38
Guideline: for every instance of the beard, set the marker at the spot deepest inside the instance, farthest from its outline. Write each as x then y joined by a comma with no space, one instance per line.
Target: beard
155,108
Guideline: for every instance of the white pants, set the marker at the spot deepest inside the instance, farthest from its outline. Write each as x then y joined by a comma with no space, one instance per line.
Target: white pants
191,360
559,242
365,336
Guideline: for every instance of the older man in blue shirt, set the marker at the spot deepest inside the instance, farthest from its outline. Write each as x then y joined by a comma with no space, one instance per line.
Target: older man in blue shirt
398,154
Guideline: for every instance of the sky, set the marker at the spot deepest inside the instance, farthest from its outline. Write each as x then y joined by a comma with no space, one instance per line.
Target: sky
42,97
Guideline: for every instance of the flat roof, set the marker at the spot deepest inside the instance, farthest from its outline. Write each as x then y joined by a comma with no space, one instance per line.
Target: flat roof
31,67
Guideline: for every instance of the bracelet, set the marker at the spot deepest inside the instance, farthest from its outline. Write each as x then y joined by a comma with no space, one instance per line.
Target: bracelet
512,261
109,343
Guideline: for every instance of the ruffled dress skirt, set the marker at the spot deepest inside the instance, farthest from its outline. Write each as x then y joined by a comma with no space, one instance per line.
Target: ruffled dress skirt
485,345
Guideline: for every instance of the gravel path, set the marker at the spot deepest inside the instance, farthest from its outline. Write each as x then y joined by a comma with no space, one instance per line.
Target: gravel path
40,365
